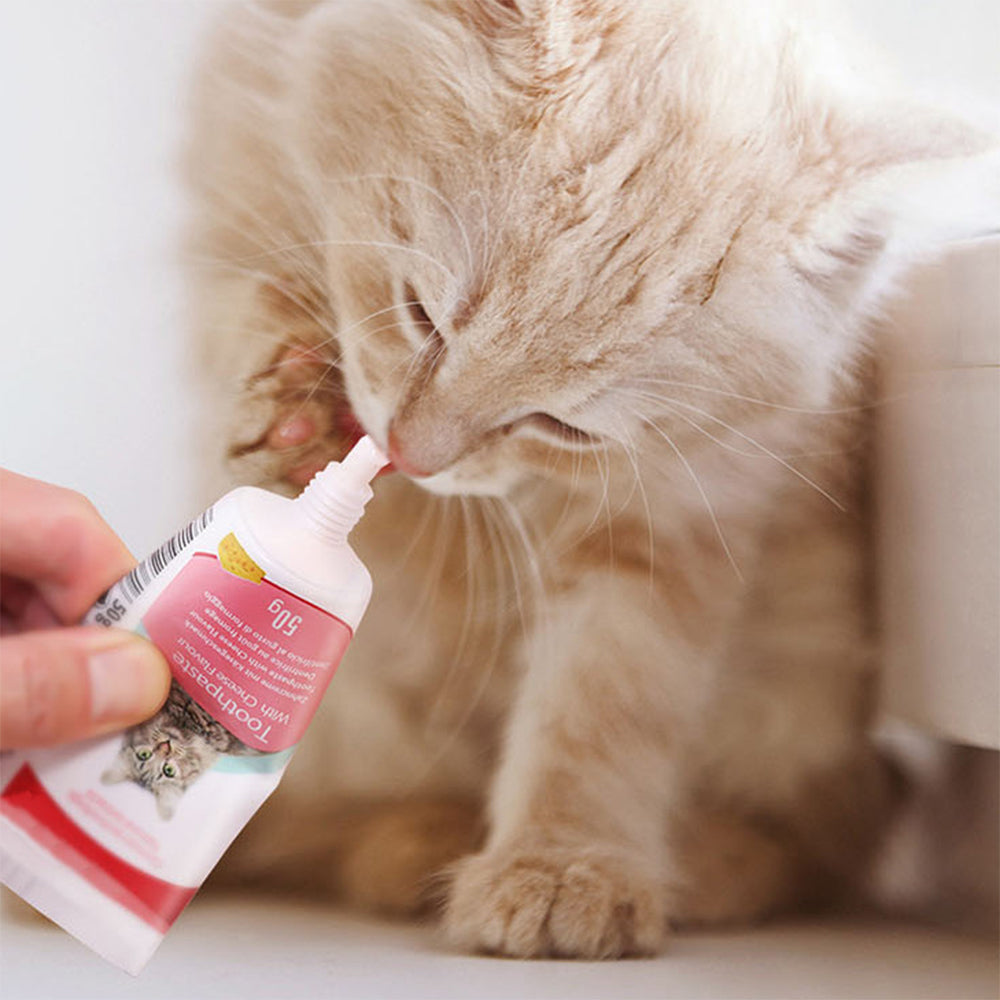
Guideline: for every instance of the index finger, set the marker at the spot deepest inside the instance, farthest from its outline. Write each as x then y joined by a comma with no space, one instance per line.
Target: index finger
55,539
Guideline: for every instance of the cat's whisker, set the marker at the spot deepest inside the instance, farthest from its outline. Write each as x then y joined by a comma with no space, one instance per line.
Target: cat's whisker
429,188
804,410
757,444
431,506
527,546
471,574
368,334
574,485
543,616
339,332
701,490
570,492
503,533
320,379
266,235
334,362
319,244
318,346
756,454
604,504
485,670
628,447
434,566
292,293
411,360
484,237
465,630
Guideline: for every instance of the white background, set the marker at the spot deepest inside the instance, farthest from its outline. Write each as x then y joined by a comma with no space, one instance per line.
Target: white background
93,378
93,372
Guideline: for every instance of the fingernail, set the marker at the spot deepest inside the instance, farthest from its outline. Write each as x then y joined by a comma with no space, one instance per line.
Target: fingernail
128,681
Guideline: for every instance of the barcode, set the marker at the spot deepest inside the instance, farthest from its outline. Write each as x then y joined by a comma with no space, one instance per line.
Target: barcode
135,582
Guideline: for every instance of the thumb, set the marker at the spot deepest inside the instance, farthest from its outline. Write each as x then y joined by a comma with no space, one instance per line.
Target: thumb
66,684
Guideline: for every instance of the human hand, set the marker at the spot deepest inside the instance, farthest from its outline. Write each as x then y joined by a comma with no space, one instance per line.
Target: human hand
60,681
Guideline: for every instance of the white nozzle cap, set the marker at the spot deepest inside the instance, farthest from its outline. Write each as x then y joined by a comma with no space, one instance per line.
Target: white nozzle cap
362,462
336,496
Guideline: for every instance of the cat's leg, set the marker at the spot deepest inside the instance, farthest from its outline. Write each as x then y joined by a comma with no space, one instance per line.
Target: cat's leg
739,861
576,861
387,856
396,855
274,392
787,798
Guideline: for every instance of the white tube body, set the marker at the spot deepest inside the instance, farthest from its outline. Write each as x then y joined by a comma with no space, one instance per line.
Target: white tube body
253,607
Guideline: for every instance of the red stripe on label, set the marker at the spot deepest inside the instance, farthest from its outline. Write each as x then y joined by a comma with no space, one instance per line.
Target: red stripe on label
26,802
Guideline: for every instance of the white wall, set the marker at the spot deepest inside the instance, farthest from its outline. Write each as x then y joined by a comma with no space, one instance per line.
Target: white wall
92,390
949,49
92,384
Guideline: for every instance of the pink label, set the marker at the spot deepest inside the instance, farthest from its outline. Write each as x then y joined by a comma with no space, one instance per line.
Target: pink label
255,656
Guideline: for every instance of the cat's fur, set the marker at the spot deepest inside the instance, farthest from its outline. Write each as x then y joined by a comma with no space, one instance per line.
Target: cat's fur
599,272
168,753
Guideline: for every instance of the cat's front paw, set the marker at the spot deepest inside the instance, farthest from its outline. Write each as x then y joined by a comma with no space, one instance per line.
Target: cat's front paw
297,409
558,902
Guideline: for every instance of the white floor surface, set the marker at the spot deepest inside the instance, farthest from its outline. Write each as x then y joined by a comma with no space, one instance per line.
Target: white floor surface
260,949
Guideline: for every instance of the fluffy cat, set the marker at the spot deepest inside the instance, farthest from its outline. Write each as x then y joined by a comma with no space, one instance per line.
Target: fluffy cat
598,273
168,753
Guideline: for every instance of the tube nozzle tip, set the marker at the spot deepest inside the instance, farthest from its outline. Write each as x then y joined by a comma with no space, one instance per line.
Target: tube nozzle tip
363,461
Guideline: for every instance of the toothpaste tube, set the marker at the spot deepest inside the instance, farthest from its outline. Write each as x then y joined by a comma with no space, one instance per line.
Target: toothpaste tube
253,604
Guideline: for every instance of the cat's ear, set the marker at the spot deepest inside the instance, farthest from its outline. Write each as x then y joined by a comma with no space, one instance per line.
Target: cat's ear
167,797
920,183
118,772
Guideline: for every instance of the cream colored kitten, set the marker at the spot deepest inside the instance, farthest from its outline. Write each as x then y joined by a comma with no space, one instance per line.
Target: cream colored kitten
598,273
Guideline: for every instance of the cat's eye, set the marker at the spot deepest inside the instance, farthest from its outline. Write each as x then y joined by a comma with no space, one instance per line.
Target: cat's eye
418,314
143,753
553,427
430,337
169,770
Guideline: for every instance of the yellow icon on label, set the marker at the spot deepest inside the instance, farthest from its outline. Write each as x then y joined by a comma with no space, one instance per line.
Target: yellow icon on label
233,558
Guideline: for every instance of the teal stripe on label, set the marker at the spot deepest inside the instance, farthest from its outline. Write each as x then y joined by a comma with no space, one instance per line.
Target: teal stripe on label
266,763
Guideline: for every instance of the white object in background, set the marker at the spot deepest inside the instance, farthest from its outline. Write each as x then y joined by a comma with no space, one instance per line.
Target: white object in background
939,500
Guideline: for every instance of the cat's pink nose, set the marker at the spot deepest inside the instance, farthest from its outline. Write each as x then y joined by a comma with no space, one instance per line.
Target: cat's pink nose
399,460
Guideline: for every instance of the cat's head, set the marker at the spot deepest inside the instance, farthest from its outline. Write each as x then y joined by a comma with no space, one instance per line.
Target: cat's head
163,759
536,218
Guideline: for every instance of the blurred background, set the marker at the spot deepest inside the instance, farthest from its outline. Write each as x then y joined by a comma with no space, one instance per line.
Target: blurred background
94,384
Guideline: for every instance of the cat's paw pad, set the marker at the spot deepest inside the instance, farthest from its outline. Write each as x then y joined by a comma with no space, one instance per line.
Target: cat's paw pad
307,419
571,904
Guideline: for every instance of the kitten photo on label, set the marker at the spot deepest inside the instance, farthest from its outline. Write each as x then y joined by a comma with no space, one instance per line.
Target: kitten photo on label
600,277
171,751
